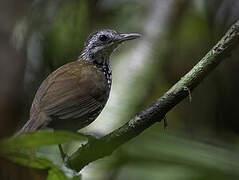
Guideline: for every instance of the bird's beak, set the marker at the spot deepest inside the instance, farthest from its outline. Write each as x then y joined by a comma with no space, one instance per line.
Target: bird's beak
126,37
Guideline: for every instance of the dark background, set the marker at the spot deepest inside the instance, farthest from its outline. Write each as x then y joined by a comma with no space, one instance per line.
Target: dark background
201,141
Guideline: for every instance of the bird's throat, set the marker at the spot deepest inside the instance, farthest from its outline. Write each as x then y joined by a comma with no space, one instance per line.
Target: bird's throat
104,66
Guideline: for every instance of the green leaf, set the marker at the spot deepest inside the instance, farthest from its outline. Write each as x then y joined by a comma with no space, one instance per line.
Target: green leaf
54,172
39,138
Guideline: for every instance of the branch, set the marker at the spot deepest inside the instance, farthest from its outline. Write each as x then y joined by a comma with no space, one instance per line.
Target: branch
104,146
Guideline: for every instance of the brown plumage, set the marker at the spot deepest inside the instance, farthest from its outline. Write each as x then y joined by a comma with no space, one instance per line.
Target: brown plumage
72,97
69,93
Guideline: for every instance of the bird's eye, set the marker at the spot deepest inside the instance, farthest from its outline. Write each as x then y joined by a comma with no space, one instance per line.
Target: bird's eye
103,37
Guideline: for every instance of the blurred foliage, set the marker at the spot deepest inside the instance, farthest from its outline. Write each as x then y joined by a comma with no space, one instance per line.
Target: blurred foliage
11,149
202,142
169,155
64,39
54,172
39,138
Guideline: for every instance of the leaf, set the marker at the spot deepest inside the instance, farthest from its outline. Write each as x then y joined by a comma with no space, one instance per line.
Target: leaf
39,138
54,172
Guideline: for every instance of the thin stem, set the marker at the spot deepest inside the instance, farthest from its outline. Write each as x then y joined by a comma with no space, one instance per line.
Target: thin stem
63,154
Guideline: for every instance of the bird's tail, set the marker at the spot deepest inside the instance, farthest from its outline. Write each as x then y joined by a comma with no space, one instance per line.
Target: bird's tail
34,123
25,128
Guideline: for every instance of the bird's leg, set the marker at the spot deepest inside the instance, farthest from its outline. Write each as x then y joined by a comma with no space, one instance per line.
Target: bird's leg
63,154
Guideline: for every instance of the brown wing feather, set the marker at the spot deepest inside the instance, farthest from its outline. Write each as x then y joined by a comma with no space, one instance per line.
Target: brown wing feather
72,91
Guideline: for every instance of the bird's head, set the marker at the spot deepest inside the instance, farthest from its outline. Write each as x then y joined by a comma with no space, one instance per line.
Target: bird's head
101,44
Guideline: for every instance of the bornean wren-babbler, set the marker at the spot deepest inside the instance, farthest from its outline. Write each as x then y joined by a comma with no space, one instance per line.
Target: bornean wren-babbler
73,96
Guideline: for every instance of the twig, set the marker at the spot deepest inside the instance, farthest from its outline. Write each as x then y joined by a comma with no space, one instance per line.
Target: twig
104,146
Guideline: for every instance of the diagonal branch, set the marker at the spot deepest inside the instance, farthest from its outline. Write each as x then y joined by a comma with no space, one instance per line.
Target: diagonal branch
104,146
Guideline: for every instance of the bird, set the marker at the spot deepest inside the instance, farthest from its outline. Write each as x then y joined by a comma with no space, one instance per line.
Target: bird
73,96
